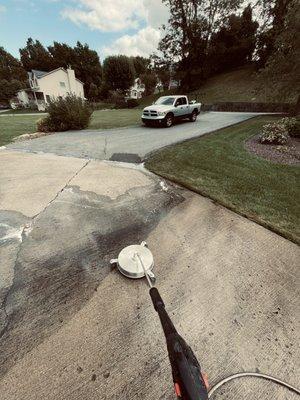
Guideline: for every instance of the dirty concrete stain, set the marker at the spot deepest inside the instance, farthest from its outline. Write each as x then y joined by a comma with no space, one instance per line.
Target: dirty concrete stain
66,255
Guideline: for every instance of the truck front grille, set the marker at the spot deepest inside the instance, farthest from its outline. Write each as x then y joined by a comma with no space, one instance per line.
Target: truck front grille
151,113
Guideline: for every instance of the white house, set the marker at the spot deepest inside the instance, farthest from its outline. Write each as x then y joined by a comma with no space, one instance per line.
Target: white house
173,84
136,91
49,85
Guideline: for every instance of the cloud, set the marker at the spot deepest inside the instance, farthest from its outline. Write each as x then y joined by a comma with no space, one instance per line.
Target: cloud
107,15
143,16
143,43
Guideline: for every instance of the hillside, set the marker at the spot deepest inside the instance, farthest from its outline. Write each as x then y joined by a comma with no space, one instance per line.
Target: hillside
237,86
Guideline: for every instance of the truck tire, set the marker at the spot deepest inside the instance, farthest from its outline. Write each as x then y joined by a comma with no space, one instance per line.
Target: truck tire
193,116
169,120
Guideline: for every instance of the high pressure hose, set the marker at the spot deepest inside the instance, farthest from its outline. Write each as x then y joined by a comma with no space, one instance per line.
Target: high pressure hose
189,382
252,374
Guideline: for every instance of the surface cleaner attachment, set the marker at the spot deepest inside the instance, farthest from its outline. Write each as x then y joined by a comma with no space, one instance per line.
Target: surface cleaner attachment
135,261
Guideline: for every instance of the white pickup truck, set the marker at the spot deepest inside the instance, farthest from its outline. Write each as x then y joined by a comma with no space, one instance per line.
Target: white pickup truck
167,109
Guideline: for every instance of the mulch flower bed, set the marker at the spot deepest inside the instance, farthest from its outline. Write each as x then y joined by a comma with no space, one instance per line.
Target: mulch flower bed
284,154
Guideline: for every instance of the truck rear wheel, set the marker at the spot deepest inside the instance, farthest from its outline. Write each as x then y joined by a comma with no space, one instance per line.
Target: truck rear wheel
193,116
169,120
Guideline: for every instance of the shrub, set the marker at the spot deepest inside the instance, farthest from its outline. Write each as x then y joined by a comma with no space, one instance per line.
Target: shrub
274,133
117,99
70,112
100,105
131,103
292,125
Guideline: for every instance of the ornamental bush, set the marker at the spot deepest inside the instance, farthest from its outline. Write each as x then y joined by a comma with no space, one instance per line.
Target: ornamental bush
274,133
292,125
70,112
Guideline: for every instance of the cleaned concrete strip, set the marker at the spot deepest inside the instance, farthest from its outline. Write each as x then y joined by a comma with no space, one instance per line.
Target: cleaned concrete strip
231,289
28,182
134,140
111,180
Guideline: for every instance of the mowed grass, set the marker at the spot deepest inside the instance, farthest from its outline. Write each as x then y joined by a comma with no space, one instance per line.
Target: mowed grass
218,166
105,119
14,125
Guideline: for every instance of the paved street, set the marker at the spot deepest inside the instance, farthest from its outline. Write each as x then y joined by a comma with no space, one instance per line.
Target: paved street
71,327
118,143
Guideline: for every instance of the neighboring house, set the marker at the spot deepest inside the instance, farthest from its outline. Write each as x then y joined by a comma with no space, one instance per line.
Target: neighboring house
174,84
159,87
45,86
136,91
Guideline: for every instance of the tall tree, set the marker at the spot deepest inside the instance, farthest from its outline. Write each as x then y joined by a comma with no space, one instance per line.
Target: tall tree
282,73
150,81
189,29
35,56
8,89
141,65
10,67
118,72
234,43
273,13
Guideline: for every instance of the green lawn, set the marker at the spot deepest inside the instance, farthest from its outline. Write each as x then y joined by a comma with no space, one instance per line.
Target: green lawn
23,111
115,118
218,166
12,126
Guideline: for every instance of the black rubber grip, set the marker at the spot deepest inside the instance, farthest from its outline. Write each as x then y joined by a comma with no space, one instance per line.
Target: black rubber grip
156,299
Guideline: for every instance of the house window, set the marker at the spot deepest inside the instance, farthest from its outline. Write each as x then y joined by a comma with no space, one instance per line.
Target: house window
47,98
62,84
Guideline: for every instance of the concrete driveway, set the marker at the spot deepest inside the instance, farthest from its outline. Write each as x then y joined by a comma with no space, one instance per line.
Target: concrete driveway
73,328
127,144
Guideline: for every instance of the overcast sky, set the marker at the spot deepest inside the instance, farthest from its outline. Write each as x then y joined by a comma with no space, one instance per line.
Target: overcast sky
109,26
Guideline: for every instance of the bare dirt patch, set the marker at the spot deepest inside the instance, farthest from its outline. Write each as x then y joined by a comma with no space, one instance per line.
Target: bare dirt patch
287,154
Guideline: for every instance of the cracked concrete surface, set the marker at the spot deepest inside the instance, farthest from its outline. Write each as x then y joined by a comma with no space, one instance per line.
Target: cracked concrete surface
73,328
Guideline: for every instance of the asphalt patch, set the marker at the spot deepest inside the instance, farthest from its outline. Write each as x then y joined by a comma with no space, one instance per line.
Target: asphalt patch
126,157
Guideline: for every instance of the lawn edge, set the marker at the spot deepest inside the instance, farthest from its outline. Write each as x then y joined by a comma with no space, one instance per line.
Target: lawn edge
254,218
151,153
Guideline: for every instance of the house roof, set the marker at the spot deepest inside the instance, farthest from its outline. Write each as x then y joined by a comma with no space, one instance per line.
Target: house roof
42,73
38,73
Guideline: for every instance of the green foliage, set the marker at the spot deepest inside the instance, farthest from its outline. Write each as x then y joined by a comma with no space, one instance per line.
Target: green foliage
274,133
118,72
132,103
282,72
141,65
35,56
66,113
273,14
93,92
150,81
8,89
116,98
292,125
233,44
10,67
187,35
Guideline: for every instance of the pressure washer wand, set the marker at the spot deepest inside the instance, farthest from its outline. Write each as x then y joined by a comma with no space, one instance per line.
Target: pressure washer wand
187,376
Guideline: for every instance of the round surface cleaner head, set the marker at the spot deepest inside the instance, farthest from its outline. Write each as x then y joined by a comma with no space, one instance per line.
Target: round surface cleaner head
128,263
